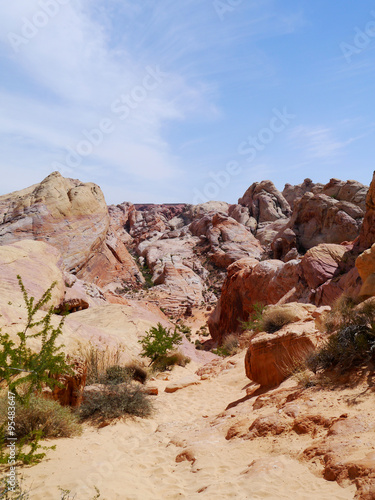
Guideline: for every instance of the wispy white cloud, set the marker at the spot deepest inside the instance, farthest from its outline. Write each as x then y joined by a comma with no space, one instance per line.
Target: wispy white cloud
316,142
91,52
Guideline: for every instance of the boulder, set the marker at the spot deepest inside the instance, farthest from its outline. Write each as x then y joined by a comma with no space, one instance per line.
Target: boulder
293,193
267,232
271,358
249,282
365,263
242,215
228,240
265,202
318,218
322,263
198,211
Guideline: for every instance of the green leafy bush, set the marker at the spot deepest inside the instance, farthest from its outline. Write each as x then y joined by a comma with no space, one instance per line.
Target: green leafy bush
19,365
158,341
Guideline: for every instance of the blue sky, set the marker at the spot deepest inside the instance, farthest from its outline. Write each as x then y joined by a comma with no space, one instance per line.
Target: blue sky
166,101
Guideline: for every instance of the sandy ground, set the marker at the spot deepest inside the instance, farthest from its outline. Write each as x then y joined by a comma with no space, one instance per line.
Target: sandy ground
136,459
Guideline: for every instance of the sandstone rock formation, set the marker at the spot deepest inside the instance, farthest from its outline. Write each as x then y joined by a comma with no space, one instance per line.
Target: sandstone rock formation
37,264
227,239
249,282
367,235
66,213
265,202
271,358
318,218
73,217
71,393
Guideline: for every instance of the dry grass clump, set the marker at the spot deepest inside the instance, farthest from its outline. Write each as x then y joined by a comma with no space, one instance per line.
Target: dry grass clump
352,342
168,361
275,318
229,347
132,371
99,360
41,415
104,367
115,400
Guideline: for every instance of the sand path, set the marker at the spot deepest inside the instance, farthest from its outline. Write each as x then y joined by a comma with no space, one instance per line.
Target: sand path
136,459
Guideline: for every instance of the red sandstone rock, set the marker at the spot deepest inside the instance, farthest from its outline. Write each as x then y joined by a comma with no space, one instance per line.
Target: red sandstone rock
270,358
321,263
71,394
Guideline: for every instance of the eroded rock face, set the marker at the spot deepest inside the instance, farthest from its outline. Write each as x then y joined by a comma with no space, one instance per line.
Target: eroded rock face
228,240
271,358
71,394
66,213
249,282
37,264
318,218
265,202
322,263
293,193
367,235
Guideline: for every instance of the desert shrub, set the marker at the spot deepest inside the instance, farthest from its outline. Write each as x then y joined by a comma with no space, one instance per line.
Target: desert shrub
40,414
163,363
352,342
132,371
350,346
20,366
113,401
275,318
99,360
186,330
255,319
158,341
198,345
229,347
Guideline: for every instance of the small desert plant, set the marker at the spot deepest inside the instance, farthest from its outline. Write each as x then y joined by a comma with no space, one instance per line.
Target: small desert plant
16,492
186,330
159,341
113,401
353,340
255,319
163,363
229,347
132,371
275,318
99,360
20,366
41,414
36,419
350,346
